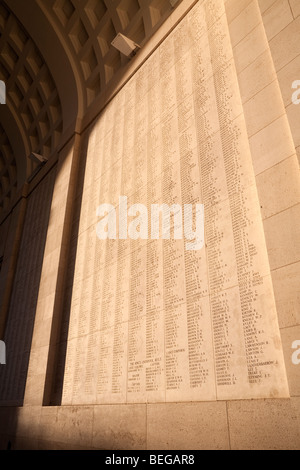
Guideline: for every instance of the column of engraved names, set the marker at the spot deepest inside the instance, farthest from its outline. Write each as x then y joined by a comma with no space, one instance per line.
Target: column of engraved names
240,206
129,171
110,177
85,308
81,303
212,177
201,369
137,309
100,174
107,313
155,386
176,353
77,377
93,172
120,334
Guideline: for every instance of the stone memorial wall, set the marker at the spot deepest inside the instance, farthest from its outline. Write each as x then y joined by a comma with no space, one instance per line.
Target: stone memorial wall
151,321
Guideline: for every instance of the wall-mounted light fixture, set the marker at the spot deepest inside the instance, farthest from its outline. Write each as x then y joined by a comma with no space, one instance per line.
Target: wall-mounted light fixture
125,45
40,160
37,158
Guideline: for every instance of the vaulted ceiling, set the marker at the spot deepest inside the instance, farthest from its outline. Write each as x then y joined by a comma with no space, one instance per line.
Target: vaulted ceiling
56,60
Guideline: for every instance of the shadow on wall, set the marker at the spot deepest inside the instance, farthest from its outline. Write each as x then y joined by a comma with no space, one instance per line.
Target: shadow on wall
18,429
56,369
21,314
